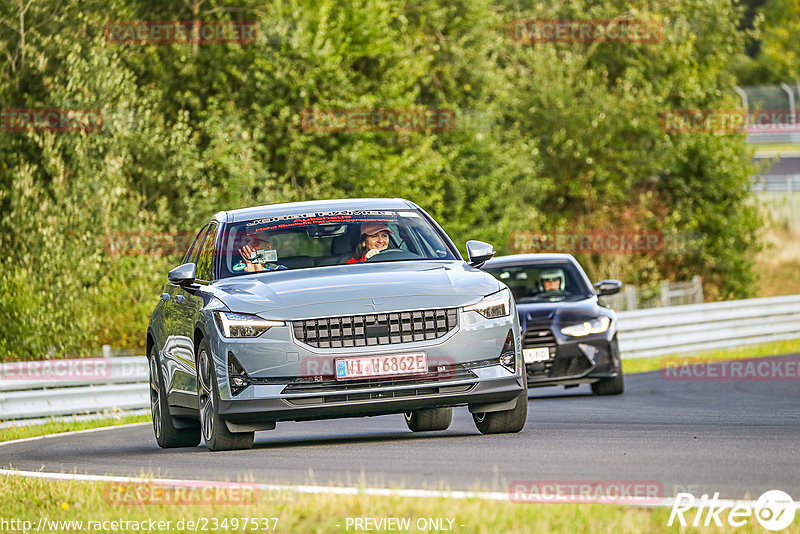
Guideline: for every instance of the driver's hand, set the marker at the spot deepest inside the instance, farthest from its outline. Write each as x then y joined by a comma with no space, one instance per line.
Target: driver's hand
371,253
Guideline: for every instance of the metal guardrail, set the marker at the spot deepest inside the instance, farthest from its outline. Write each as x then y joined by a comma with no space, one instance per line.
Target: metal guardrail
642,334
123,387
713,325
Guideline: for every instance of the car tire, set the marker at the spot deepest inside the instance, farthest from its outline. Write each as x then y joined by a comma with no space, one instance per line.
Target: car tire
215,431
169,433
508,421
429,420
614,385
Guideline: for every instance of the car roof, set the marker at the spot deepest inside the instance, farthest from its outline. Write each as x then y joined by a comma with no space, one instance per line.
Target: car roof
299,208
522,259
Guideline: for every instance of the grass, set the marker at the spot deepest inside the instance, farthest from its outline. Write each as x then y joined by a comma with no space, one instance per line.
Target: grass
53,427
30,499
777,263
774,348
776,148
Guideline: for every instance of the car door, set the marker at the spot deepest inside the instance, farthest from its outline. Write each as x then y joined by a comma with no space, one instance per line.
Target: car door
187,301
178,351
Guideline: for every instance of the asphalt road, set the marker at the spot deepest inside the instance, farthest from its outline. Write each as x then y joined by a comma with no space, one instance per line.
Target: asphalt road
738,438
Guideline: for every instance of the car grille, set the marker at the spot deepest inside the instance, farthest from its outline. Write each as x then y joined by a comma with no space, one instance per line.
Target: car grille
376,329
540,338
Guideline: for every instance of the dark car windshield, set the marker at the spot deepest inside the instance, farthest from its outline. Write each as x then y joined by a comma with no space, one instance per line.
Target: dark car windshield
328,238
542,282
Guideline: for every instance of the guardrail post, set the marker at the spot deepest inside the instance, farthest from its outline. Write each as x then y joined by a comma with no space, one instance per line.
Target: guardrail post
630,297
792,116
665,296
698,289
792,210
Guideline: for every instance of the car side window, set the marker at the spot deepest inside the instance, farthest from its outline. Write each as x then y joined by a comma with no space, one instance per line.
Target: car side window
205,261
195,246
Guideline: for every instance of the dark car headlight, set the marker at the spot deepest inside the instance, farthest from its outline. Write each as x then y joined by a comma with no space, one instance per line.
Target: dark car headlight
492,306
243,324
595,326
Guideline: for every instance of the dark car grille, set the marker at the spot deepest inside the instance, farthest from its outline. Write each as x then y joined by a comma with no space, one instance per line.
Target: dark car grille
564,365
538,338
376,329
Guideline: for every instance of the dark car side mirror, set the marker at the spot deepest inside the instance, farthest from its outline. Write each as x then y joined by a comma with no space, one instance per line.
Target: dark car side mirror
608,287
183,274
479,253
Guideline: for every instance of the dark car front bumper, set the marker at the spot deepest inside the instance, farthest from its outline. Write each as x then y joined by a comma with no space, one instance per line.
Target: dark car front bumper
572,361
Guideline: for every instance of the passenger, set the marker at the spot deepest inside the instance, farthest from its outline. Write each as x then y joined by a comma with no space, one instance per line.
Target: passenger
256,241
374,239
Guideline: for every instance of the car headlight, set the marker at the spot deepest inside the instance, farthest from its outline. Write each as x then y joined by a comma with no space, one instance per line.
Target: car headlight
494,305
243,325
595,326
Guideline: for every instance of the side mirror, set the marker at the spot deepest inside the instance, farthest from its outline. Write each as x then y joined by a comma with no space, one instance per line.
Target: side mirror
183,274
608,287
479,253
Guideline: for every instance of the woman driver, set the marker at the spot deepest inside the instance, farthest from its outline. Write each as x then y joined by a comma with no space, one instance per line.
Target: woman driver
374,238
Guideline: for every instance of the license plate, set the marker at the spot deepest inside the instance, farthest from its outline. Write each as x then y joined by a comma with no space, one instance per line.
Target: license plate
377,366
540,354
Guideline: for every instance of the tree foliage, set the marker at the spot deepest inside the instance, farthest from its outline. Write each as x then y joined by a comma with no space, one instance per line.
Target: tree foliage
548,136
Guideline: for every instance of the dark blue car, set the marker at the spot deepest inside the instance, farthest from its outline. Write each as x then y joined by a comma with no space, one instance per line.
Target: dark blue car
568,337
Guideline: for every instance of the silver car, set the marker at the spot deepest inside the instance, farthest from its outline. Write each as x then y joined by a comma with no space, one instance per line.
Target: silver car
328,309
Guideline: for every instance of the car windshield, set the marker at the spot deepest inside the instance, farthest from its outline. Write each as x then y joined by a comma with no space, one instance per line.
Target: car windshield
542,282
329,238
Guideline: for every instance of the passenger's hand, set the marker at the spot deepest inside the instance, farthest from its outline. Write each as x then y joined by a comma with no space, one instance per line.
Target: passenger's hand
248,252
371,253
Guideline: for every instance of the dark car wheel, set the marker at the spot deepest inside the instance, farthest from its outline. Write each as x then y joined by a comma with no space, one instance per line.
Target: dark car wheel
215,431
428,420
507,421
614,385
169,432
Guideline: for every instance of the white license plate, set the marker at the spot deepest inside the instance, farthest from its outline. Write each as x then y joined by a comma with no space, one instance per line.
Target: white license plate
377,366
539,354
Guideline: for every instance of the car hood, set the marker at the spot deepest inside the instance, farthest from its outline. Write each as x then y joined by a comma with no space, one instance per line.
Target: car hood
560,313
355,289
